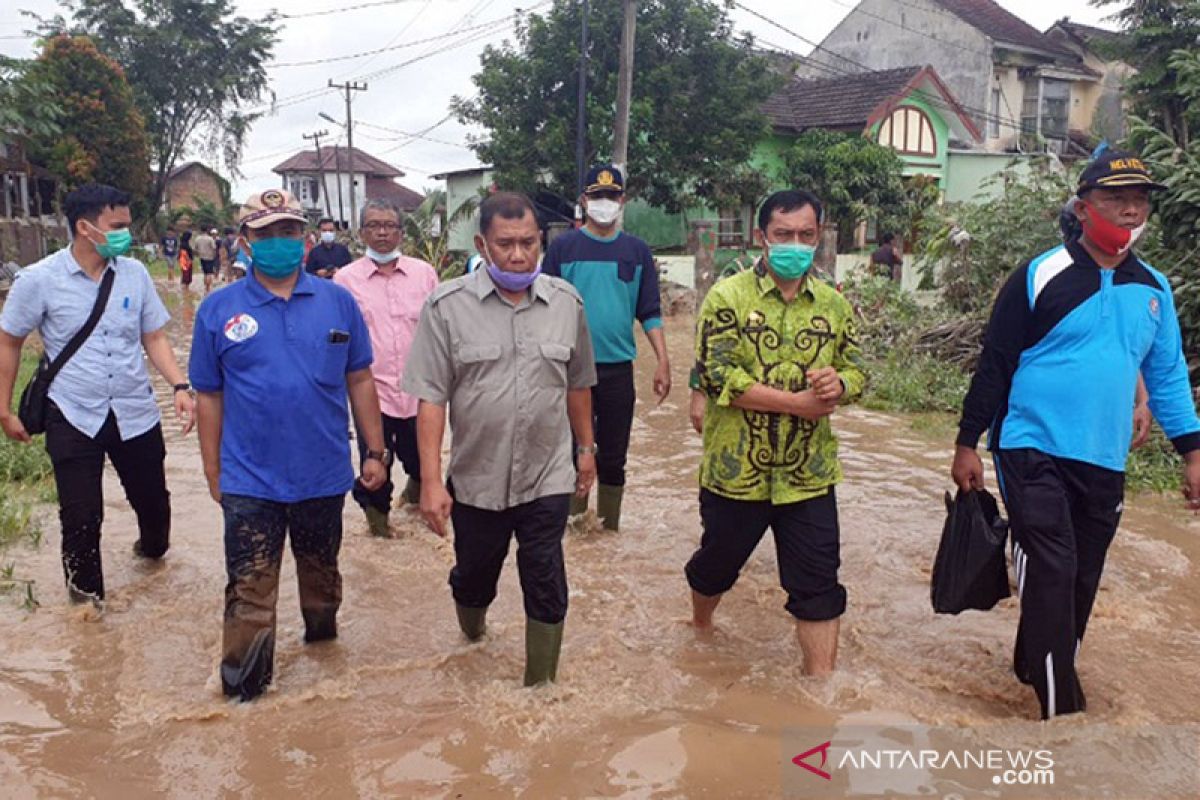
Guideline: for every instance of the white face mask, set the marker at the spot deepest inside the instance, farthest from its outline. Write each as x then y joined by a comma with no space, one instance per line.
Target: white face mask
603,212
328,237
382,258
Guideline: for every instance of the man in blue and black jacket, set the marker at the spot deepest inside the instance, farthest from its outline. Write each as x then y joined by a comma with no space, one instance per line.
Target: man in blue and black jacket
616,276
1055,391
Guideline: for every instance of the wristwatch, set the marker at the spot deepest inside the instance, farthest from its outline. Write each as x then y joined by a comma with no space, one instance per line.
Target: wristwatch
580,449
182,387
383,456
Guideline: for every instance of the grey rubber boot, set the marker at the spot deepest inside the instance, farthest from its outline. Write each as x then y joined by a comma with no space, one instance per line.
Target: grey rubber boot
412,492
579,505
543,642
608,505
473,621
377,521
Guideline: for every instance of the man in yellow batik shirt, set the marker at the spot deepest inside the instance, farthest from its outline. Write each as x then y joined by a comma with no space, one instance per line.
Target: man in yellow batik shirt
776,354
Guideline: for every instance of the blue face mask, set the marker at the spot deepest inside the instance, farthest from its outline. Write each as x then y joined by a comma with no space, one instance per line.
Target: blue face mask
278,257
790,260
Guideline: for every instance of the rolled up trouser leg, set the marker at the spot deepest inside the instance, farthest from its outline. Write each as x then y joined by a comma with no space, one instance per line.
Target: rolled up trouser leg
254,537
316,531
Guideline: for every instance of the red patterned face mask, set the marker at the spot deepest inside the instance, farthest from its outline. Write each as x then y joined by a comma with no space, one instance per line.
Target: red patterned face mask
1110,237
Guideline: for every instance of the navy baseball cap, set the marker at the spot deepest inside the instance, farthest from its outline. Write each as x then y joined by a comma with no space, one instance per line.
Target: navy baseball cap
604,178
1115,169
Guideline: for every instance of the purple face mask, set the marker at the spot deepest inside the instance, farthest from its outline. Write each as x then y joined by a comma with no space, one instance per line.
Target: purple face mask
513,281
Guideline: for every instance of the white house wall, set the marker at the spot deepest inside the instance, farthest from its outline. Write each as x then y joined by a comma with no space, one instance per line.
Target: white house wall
881,34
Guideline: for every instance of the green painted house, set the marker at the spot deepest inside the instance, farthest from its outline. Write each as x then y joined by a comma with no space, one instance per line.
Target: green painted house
908,109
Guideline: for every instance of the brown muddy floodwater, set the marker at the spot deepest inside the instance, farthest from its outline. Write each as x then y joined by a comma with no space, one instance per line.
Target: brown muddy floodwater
401,706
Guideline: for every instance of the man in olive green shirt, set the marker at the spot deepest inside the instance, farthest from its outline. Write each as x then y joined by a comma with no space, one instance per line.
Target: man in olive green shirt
505,352
775,354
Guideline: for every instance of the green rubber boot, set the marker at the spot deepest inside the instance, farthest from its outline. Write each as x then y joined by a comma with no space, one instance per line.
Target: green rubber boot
608,505
543,642
377,521
412,492
473,621
579,505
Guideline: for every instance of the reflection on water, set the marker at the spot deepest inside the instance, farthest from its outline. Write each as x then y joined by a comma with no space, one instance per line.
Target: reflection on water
400,705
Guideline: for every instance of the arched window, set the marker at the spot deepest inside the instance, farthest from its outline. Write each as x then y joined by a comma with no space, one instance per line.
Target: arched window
909,131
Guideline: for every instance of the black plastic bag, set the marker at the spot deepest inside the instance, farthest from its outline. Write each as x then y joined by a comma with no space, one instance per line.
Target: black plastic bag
970,571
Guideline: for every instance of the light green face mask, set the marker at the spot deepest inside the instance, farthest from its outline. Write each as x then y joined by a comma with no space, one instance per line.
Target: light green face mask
116,243
790,260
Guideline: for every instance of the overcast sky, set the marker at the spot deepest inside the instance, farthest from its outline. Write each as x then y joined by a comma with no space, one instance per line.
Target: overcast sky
415,97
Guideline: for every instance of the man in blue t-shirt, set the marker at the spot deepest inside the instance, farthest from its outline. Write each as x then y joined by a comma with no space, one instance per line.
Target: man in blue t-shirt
273,360
617,278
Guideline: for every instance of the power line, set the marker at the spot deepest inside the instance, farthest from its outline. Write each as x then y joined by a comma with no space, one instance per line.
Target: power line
386,48
403,30
312,94
340,9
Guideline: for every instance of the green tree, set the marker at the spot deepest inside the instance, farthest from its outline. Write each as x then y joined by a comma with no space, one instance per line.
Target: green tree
28,106
427,235
1174,241
1152,31
103,136
1004,232
694,114
198,70
857,179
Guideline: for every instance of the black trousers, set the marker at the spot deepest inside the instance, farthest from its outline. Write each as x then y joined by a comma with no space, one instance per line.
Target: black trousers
255,530
78,461
1063,515
481,539
806,546
612,415
399,436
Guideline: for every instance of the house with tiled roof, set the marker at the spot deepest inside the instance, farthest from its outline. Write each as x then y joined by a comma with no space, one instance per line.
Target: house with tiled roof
1023,89
323,182
1104,103
909,109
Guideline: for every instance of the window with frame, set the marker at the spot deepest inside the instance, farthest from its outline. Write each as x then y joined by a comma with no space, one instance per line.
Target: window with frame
909,131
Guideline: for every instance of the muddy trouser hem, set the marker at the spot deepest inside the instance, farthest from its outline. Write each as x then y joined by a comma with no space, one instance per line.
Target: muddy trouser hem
481,540
806,545
399,436
78,461
1063,515
613,399
255,530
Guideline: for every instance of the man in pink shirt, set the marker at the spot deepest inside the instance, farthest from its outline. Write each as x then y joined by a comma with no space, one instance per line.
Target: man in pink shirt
391,289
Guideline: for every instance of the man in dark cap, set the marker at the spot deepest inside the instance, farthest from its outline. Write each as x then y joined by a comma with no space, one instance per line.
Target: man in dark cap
1055,391
616,276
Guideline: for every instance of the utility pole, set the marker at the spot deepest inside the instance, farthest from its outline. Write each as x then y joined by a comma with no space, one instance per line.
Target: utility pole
316,138
348,87
624,86
337,171
581,113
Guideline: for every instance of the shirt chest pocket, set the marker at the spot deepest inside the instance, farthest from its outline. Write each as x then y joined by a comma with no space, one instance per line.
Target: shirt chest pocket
552,364
475,360
332,359
122,319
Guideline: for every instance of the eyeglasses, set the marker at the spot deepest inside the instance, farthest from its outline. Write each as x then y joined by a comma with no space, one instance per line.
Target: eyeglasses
385,227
